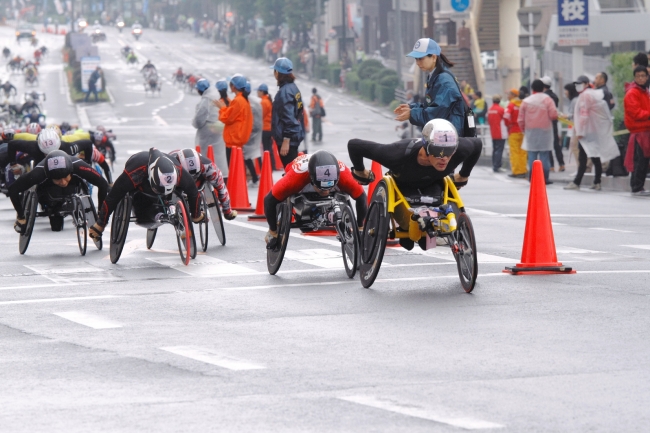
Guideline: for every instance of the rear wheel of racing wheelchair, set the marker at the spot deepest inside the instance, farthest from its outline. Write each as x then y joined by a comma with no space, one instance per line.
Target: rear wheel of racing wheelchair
215,213
374,235
203,225
91,217
151,236
80,223
120,227
30,204
274,257
183,237
465,252
349,233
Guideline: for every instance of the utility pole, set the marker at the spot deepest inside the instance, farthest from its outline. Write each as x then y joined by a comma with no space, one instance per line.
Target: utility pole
318,33
430,19
398,44
343,30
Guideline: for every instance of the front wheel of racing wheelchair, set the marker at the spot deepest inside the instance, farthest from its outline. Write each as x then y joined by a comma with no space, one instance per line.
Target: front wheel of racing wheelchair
388,205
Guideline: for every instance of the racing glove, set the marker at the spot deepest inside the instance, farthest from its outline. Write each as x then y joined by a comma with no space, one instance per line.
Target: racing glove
95,231
271,240
20,225
199,218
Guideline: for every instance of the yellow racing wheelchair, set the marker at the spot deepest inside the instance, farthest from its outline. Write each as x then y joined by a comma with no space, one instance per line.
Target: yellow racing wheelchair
392,216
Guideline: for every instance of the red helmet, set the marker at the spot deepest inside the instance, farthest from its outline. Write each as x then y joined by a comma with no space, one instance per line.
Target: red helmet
33,128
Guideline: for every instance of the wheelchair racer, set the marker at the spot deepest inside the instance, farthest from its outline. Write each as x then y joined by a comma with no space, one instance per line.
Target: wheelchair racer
58,176
48,140
320,172
150,175
420,165
203,170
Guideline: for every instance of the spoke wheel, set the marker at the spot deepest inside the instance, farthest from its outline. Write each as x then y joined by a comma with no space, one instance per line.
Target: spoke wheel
373,237
465,254
349,234
30,204
215,214
274,257
203,225
91,217
151,236
80,223
120,227
183,236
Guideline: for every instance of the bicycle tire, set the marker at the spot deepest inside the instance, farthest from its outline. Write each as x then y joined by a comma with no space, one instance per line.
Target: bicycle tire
349,234
120,227
274,257
216,215
374,235
30,204
203,225
466,256
80,223
151,236
181,226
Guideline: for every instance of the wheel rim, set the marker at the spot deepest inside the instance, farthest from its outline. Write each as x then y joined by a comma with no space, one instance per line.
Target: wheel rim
203,226
370,231
79,219
181,229
349,242
466,256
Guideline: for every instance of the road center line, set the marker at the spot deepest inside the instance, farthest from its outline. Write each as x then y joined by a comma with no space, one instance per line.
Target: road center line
74,298
211,357
419,412
88,319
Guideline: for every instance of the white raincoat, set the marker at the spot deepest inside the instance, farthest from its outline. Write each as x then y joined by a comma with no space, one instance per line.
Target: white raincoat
209,130
593,122
252,149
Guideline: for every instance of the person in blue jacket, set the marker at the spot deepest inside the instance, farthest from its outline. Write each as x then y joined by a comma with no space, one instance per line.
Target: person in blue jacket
443,99
287,121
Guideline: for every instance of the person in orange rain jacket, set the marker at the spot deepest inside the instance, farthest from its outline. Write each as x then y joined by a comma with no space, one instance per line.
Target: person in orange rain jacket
518,156
267,113
237,117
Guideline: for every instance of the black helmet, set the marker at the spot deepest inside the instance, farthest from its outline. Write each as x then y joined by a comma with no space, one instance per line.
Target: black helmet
57,164
323,170
163,174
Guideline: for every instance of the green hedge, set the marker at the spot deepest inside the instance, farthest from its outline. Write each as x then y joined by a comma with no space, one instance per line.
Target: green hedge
255,48
367,68
334,74
384,94
352,81
367,89
238,43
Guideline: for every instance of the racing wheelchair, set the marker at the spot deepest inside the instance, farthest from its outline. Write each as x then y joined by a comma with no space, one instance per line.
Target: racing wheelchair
311,212
78,205
209,205
173,211
391,215
152,84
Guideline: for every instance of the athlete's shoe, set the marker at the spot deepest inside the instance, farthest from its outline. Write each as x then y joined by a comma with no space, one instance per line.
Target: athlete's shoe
230,215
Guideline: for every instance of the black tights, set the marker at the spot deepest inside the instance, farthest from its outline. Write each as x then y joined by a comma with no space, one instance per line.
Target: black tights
582,166
250,165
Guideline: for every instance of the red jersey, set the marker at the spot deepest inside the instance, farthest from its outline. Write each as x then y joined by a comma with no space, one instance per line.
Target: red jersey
495,116
512,116
297,177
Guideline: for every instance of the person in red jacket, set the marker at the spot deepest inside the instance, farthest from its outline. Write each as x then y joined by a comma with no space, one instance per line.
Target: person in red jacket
237,116
637,120
495,117
518,156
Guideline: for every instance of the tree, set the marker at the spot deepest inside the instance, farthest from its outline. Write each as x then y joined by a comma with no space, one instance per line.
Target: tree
301,15
271,11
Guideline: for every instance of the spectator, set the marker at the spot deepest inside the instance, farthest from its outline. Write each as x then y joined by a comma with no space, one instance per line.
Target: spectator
535,120
637,120
237,116
317,111
515,136
466,88
479,106
92,83
267,112
208,128
556,137
287,122
593,126
600,82
252,147
523,92
495,118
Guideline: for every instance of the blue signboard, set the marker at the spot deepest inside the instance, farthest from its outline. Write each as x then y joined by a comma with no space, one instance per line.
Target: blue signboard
460,5
573,12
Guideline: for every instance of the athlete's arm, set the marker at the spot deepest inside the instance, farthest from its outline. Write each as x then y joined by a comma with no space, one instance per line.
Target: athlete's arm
122,186
474,146
27,146
388,155
22,184
89,174
188,186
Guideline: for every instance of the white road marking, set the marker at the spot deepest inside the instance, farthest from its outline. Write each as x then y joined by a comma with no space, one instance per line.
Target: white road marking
135,104
36,286
317,257
74,298
211,357
640,247
82,272
571,250
440,416
198,268
610,230
160,120
84,121
264,228
88,319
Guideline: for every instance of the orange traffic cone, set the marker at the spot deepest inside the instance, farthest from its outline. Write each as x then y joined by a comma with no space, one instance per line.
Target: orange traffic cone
538,255
266,183
198,149
237,182
376,168
211,154
277,162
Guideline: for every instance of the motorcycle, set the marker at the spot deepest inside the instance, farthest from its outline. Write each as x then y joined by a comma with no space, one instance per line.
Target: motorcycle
136,32
120,25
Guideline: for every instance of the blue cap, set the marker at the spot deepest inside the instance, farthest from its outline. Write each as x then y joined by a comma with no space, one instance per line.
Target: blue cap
202,85
221,85
263,87
424,47
283,65
239,82
248,87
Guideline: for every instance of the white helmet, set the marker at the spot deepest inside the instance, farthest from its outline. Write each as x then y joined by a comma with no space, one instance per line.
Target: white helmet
190,161
48,140
440,138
